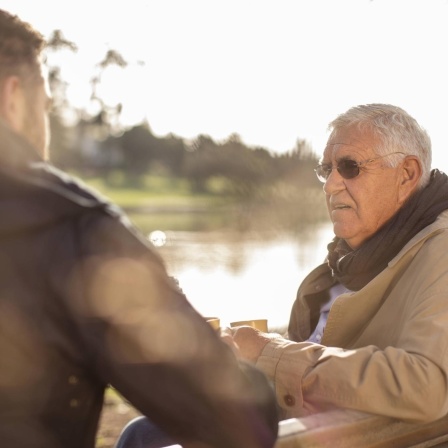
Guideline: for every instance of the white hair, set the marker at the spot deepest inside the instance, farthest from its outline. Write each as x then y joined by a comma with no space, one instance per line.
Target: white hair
394,129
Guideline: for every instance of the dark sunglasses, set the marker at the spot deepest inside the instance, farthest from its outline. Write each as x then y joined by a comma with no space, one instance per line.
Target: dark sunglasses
347,168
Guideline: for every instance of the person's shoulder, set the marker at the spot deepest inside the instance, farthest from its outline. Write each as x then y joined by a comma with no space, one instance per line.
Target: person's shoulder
442,220
437,230
90,208
430,245
99,223
68,195
49,178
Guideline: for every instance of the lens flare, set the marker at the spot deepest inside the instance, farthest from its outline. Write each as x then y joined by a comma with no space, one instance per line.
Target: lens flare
158,238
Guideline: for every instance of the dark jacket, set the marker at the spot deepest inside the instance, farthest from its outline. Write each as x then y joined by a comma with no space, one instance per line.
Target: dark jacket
85,302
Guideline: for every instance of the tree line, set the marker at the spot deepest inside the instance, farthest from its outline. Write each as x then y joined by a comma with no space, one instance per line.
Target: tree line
93,144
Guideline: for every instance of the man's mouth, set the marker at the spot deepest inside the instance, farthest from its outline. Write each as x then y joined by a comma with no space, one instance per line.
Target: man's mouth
340,207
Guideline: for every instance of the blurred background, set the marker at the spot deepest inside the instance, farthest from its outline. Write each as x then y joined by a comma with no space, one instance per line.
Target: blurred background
204,120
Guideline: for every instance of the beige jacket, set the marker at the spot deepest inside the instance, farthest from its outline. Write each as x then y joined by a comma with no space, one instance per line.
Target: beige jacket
384,347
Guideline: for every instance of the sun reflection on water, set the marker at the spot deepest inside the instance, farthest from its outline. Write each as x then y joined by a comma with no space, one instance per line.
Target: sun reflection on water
239,277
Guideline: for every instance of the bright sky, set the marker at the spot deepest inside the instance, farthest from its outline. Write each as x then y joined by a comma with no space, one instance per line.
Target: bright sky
272,71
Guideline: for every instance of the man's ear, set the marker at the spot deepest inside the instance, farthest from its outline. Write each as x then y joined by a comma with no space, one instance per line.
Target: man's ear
411,172
12,102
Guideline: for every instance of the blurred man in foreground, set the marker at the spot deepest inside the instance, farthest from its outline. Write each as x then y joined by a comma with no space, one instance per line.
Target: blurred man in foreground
369,328
85,301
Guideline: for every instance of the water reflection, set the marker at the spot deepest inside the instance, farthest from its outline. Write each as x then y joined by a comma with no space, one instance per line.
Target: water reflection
239,276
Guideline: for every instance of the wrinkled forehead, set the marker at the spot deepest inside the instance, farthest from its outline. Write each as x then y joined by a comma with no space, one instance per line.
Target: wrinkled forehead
348,142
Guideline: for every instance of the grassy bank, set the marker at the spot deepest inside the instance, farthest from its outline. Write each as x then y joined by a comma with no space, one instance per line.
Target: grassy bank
155,192
161,202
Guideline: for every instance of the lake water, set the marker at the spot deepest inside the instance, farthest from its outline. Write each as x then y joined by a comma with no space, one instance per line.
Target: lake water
238,276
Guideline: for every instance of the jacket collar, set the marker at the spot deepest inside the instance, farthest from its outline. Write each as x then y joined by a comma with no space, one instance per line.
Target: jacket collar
439,225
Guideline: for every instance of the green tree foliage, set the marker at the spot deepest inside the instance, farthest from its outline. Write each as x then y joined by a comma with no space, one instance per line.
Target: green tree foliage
297,166
95,143
138,148
170,152
201,162
249,171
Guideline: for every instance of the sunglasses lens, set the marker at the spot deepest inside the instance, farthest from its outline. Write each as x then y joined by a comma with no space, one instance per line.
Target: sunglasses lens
348,169
323,172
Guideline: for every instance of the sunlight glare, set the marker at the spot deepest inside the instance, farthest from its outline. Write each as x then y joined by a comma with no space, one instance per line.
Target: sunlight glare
158,238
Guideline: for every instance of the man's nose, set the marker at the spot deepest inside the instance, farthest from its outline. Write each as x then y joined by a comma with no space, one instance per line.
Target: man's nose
334,182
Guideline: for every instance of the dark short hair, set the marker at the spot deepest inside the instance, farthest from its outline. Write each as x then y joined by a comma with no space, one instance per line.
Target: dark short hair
20,47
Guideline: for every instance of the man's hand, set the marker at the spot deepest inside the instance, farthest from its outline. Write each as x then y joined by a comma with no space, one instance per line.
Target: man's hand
227,337
247,342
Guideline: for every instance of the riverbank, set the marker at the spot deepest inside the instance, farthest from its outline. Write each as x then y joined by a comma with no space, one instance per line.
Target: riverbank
163,194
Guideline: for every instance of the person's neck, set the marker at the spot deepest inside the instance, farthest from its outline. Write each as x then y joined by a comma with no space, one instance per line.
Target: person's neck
15,148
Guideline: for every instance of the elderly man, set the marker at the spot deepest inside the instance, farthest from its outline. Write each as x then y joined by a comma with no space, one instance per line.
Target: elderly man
86,302
369,327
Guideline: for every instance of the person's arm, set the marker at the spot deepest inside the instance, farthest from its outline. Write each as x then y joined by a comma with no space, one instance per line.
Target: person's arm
145,339
310,378
394,362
